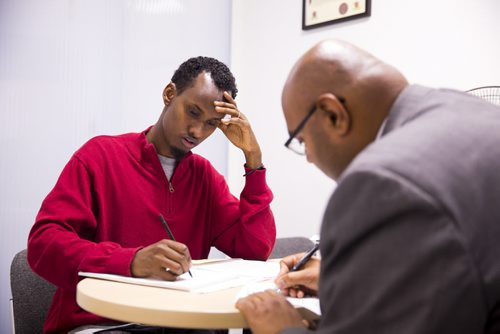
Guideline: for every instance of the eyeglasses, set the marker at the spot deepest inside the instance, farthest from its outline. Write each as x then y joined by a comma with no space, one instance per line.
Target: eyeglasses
297,145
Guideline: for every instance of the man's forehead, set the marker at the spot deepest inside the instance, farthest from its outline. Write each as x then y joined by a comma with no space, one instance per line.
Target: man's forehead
204,86
203,100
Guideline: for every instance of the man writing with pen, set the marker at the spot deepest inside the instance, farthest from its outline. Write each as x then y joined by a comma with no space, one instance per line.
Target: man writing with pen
105,212
409,238
289,280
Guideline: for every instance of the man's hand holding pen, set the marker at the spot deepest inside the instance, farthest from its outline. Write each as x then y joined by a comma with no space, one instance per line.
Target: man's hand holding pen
270,311
301,282
165,260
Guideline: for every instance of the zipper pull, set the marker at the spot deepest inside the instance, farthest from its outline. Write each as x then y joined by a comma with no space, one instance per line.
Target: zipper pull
170,187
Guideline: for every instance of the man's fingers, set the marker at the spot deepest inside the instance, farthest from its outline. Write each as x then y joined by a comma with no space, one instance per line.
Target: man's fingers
284,267
268,312
289,261
173,248
281,280
221,104
234,113
175,245
233,120
245,304
174,267
174,256
163,274
290,280
153,260
229,98
296,292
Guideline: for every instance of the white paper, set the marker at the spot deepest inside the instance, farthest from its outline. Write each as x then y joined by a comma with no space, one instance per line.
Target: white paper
310,303
258,270
207,277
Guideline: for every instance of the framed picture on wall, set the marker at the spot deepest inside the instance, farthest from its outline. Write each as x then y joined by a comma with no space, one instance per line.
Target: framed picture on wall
318,13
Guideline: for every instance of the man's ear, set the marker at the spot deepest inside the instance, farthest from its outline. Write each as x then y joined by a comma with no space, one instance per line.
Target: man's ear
338,116
169,93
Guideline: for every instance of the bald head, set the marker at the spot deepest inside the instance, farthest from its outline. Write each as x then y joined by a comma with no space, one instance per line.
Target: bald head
337,67
330,66
352,91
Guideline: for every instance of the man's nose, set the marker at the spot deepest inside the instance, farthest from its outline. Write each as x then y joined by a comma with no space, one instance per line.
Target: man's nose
196,129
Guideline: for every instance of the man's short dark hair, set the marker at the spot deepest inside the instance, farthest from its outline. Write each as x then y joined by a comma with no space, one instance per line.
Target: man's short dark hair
189,70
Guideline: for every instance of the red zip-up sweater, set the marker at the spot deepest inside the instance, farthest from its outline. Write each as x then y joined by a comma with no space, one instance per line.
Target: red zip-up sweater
105,206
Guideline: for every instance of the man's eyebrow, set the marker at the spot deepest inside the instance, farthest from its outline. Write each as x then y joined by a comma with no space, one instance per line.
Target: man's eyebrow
195,106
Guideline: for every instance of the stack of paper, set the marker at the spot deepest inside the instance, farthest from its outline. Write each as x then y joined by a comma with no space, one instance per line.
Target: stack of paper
207,277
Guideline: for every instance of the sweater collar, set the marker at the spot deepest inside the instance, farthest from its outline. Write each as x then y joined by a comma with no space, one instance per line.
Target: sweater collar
145,153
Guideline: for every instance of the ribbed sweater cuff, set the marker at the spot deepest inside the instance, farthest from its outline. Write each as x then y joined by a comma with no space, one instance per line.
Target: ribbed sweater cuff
121,260
256,181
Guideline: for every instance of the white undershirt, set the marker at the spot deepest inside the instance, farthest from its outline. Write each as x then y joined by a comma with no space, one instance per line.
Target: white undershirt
168,165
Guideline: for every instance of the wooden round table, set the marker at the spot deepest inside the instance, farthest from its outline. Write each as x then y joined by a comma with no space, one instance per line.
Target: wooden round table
158,306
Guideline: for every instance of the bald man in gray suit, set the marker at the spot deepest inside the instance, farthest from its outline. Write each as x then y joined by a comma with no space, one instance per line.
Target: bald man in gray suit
410,240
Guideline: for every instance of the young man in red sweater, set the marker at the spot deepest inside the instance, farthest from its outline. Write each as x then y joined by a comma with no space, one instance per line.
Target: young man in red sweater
103,213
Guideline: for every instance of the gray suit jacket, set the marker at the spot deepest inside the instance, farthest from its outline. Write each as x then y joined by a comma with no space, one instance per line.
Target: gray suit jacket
410,240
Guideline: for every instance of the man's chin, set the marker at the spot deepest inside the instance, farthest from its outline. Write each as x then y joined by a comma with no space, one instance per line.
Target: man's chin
178,153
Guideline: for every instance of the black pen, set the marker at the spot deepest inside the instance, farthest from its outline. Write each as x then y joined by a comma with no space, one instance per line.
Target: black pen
164,222
305,258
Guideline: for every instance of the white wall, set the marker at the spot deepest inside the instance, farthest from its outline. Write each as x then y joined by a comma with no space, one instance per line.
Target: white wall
70,70
451,43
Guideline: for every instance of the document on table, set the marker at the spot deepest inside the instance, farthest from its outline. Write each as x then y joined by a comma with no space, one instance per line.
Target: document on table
207,277
308,303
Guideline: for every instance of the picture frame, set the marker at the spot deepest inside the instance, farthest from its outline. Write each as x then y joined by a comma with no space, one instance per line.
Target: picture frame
319,13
